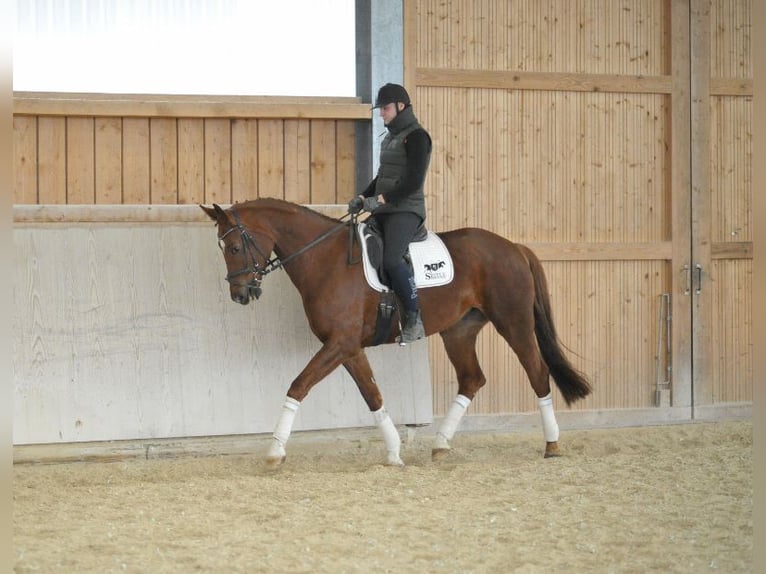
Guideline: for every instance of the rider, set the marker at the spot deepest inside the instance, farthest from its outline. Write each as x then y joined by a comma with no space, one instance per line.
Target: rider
395,197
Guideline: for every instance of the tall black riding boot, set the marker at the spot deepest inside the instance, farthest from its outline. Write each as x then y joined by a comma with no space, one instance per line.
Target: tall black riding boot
404,286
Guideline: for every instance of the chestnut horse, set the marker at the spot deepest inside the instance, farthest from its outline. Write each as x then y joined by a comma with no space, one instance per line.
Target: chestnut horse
495,281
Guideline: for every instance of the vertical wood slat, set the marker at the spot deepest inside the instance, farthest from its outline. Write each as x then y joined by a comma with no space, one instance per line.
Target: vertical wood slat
244,162
297,161
25,159
217,161
701,213
136,181
345,158
191,160
81,164
163,165
323,175
271,158
108,160
51,149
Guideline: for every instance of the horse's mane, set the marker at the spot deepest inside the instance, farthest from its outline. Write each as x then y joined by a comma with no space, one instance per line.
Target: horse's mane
284,206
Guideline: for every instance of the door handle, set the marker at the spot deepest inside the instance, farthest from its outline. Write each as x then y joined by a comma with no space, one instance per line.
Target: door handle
698,269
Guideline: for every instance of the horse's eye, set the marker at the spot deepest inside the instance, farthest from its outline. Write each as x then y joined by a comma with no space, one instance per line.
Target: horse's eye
234,249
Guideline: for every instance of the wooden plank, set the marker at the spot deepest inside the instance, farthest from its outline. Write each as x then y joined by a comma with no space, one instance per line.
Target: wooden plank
576,251
701,210
244,159
189,107
217,161
547,81
138,214
680,197
163,165
51,150
271,158
136,180
298,160
81,160
731,87
346,161
108,160
323,180
24,159
732,250
191,160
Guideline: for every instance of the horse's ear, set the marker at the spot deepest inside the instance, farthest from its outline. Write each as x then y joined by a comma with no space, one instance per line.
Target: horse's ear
210,211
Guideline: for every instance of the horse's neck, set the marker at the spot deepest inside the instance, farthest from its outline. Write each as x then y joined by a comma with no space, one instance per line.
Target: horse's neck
295,232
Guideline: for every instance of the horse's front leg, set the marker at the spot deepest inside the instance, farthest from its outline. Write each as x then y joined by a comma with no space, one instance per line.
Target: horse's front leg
359,369
322,364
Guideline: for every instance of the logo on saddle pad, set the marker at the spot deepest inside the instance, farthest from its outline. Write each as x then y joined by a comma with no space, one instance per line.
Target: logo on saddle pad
431,262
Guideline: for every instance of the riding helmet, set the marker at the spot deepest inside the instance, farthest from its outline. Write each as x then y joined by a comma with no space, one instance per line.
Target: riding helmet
391,93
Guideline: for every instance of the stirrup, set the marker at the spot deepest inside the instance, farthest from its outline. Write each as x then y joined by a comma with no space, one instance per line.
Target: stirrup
412,330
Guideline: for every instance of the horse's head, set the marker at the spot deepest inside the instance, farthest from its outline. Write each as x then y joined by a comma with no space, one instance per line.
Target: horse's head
245,253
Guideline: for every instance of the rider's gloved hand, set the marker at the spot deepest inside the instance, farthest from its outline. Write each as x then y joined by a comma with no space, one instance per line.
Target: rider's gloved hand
355,205
371,204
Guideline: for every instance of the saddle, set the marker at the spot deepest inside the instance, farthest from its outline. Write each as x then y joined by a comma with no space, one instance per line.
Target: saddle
427,256
372,236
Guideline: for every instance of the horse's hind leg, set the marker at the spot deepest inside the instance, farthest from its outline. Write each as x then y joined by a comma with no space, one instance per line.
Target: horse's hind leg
460,344
519,334
359,369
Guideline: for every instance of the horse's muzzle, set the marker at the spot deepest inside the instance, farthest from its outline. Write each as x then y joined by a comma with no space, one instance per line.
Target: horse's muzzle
244,295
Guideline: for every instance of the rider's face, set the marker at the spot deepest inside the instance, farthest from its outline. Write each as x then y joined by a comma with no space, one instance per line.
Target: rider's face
389,111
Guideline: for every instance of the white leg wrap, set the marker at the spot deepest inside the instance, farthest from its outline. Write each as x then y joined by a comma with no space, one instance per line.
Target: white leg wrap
284,428
550,426
390,436
451,421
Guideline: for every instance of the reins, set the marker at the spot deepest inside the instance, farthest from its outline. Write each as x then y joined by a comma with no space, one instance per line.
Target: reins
277,262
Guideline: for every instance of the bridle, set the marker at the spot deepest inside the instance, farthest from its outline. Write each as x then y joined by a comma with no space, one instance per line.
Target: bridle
250,249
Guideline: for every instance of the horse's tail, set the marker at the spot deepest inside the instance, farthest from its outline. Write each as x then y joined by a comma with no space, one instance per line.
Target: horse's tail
571,382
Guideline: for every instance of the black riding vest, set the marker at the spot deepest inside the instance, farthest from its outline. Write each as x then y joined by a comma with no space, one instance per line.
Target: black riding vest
393,165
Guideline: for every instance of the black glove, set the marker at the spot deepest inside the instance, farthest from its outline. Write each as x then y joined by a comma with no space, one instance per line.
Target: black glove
355,205
371,204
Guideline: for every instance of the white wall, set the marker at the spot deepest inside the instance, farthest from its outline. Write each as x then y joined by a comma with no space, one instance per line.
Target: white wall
127,331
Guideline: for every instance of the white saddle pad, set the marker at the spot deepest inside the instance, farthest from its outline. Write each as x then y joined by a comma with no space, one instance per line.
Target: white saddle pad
431,262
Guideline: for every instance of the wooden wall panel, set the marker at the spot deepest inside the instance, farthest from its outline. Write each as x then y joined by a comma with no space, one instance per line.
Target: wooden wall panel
136,180
298,161
731,40
183,150
81,169
25,159
548,166
597,36
732,352
552,125
217,161
323,162
191,160
244,161
271,158
51,155
163,145
345,182
108,158
731,168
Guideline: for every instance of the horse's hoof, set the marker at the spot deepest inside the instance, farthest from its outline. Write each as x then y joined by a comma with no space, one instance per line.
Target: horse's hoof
394,461
439,454
274,462
552,450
